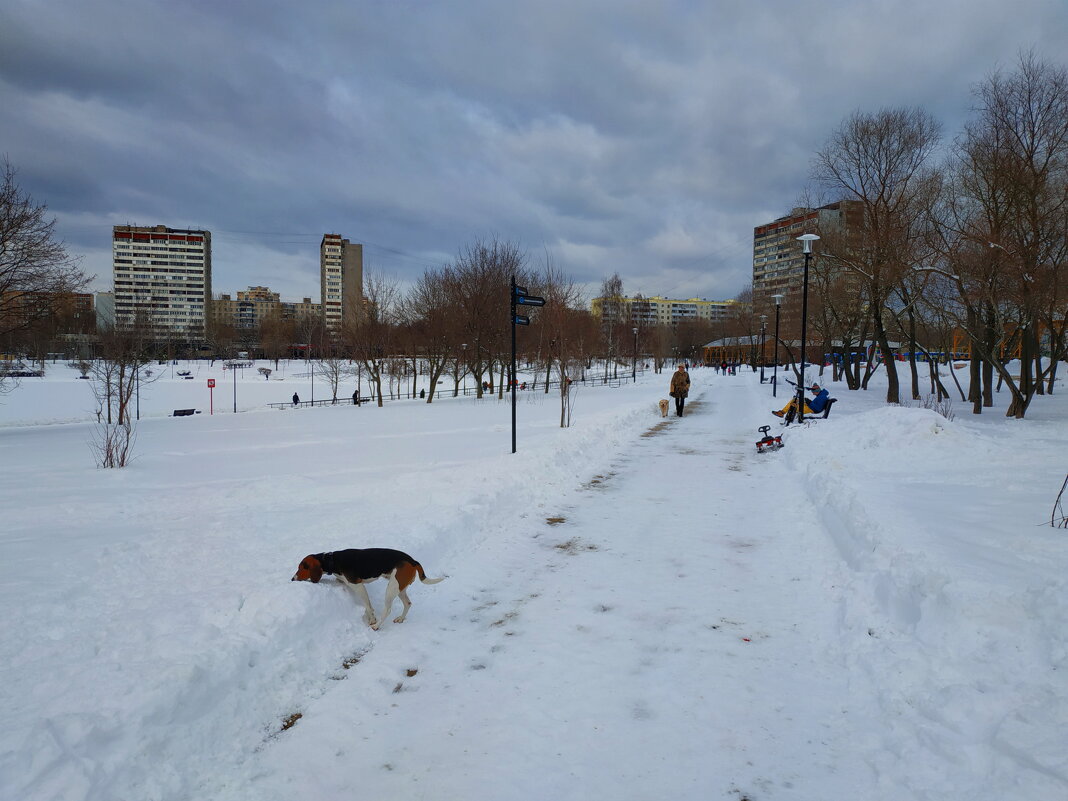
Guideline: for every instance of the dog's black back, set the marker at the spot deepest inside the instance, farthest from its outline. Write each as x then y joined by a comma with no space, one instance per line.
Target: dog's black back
363,564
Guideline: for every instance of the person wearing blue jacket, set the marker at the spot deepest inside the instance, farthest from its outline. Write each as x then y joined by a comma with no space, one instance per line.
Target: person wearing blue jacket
814,406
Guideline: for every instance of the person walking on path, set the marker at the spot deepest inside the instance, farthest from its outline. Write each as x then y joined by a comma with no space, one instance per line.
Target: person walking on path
296,398
680,388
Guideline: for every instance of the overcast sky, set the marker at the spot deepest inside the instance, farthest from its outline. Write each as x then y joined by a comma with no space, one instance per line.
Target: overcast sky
647,138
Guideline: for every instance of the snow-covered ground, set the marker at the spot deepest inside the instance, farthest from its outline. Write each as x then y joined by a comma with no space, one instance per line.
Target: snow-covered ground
635,608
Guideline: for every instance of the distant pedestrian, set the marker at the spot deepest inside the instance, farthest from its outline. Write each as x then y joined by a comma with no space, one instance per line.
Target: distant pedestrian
296,398
680,388
356,397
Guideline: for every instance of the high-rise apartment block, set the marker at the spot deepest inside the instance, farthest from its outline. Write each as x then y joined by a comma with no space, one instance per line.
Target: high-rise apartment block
162,280
778,261
341,277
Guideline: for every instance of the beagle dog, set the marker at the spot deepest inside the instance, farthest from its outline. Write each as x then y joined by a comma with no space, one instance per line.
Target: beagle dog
663,407
354,567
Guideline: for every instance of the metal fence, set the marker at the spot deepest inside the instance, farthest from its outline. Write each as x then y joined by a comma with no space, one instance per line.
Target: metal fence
465,389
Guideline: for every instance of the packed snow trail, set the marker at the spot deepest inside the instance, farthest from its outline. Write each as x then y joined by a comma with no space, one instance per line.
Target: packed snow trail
650,579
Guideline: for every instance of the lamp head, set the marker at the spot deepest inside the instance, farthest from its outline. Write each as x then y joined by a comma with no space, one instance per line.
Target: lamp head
778,299
806,241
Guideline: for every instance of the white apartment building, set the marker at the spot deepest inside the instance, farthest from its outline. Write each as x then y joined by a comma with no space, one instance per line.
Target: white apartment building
162,279
341,279
657,310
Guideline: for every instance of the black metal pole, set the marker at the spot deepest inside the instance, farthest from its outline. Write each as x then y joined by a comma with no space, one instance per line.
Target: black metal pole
634,369
775,369
804,341
512,386
763,325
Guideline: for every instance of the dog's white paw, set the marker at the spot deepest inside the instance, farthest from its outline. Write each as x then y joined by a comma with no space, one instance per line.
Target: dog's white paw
399,619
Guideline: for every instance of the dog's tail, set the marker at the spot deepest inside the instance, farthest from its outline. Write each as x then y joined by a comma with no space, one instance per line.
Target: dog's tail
424,579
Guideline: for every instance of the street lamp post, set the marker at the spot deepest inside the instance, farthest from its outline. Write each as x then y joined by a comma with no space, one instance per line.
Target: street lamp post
464,377
806,246
775,369
634,369
763,328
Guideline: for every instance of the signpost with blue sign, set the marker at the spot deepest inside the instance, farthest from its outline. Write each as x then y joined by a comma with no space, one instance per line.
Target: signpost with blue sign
520,297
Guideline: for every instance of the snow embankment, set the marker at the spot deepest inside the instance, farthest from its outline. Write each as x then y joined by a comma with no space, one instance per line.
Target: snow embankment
958,613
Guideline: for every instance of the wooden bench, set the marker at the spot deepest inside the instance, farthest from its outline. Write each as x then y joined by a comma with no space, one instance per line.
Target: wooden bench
183,412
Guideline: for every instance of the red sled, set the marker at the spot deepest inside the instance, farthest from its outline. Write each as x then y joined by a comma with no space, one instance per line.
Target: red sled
769,443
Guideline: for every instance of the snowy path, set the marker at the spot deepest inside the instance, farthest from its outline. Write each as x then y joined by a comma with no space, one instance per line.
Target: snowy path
650,586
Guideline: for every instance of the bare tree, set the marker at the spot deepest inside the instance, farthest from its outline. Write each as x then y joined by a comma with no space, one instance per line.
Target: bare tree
220,336
433,328
613,317
119,373
840,313
37,275
561,326
276,336
333,369
1026,114
370,337
117,377
33,264
478,283
1001,227
879,162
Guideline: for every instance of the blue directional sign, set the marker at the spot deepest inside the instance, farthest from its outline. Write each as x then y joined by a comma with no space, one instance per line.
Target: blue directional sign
519,298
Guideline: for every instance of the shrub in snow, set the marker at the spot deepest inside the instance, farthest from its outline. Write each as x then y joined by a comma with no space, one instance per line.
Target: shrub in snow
112,443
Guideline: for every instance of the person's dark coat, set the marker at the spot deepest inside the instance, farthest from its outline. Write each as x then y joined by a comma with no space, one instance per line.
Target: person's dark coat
680,384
